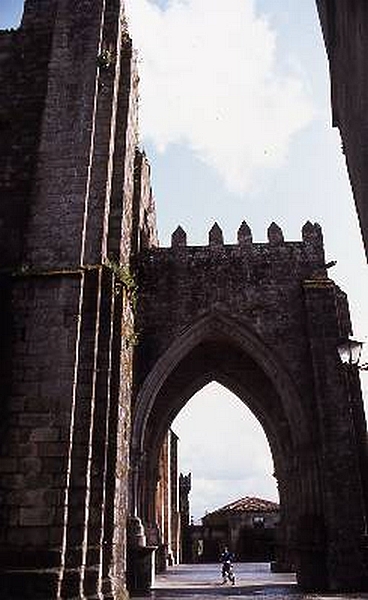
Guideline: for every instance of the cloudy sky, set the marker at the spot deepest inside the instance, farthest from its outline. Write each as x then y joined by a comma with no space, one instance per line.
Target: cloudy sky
235,118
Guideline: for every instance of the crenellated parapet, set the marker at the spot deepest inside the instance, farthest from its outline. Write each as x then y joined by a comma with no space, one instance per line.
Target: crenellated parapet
307,253
311,233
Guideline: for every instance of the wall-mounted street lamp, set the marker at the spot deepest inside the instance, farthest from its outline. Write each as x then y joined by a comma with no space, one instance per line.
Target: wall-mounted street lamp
349,352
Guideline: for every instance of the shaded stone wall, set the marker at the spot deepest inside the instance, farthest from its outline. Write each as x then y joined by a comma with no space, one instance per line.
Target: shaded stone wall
260,282
67,188
163,501
345,30
167,504
174,493
144,229
24,57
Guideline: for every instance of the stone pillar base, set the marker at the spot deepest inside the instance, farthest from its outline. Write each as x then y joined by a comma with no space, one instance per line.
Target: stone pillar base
140,559
160,559
311,571
278,566
141,569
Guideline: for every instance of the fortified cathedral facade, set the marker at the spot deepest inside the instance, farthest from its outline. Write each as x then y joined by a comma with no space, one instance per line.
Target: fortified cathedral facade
104,335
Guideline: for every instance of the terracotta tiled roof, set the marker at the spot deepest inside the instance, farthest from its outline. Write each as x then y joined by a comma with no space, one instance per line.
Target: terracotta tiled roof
247,504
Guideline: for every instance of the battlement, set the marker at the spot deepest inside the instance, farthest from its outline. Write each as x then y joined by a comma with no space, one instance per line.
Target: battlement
311,235
274,259
236,277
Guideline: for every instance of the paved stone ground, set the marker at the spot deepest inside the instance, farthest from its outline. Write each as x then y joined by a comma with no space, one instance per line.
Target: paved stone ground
254,581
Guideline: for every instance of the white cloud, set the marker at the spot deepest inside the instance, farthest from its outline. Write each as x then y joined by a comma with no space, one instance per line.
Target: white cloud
224,447
210,79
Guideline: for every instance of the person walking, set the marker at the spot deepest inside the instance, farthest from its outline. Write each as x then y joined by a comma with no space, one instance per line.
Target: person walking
227,571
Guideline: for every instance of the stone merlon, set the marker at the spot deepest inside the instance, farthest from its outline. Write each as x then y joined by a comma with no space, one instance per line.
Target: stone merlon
308,253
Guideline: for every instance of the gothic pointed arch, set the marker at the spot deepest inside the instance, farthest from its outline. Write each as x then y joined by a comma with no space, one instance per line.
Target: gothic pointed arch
229,350
217,325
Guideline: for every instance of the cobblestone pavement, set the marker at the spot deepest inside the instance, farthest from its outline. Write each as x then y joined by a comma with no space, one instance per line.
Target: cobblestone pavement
254,581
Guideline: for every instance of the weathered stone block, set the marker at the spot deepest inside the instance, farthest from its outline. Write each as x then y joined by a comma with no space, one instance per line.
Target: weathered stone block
9,465
35,517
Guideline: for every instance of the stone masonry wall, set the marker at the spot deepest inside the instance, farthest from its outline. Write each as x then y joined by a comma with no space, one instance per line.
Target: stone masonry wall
258,282
144,227
24,56
280,292
36,412
345,29
67,324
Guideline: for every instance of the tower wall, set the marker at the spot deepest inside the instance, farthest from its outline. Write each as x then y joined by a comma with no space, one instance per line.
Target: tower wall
345,30
24,58
68,105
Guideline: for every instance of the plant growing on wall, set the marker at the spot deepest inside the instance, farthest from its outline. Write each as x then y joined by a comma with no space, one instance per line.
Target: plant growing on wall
126,279
105,59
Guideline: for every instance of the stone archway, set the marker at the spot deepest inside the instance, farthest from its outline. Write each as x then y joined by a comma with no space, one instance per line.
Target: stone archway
264,321
218,347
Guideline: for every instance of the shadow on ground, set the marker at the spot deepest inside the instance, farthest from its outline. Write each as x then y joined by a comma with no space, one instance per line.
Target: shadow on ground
269,591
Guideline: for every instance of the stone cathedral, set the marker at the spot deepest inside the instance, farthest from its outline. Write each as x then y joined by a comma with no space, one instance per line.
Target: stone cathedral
104,335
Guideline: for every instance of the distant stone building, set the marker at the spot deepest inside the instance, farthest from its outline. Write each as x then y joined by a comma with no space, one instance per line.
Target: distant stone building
247,526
